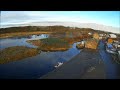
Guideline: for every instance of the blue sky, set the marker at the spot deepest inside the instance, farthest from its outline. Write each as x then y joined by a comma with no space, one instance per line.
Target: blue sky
109,18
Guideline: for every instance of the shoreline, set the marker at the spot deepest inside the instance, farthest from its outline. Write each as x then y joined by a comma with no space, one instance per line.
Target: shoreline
82,66
8,35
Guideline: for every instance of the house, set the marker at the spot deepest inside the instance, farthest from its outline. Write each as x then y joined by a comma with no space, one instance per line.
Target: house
112,36
89,33
101,35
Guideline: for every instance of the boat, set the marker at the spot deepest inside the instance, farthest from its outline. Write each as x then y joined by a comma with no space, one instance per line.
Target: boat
59,64
111,49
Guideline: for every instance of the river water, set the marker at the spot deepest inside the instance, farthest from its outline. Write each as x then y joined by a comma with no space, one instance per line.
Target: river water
112,69
36,66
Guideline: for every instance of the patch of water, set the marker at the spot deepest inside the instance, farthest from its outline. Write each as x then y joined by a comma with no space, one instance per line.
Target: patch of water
36,66
20,41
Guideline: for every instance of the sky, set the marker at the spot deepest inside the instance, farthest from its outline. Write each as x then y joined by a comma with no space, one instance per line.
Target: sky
108,18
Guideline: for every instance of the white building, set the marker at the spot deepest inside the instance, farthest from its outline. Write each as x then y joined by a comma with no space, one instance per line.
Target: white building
112,36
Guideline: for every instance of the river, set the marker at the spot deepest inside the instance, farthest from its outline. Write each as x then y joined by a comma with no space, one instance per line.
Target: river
112,69
36,66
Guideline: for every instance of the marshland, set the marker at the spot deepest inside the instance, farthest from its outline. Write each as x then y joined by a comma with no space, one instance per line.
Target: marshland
59,45
31,52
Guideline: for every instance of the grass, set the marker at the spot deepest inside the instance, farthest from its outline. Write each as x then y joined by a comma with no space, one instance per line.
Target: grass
57,42
75,38
14,34
35,42
16,53
91,43
51,44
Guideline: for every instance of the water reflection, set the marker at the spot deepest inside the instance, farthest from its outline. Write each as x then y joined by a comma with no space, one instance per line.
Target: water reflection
36,66
20,41
35,37
112,71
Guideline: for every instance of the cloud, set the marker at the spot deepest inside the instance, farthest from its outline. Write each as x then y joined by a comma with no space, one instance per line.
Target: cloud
106,18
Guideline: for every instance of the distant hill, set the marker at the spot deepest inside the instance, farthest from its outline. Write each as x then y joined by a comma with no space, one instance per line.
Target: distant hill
80,25
71,24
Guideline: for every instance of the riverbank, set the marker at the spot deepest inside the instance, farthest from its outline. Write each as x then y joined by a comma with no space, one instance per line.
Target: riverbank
86,65
15,53
111,66
14,34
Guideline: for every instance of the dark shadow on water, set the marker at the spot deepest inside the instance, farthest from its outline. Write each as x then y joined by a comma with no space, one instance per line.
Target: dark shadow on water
36,66
112,68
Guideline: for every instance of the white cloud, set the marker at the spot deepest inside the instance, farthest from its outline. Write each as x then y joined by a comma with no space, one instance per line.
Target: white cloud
17,17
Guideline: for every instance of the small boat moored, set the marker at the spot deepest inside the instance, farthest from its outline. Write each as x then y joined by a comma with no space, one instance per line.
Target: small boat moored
111,49
59,64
